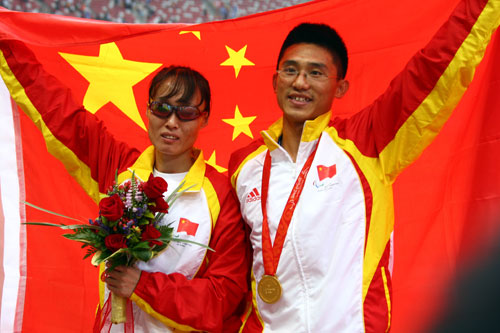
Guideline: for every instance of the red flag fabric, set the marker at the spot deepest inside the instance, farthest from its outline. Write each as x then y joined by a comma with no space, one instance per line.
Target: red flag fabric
446,203
326,171
187,226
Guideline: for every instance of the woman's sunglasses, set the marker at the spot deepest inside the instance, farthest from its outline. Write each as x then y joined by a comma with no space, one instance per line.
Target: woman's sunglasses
184,113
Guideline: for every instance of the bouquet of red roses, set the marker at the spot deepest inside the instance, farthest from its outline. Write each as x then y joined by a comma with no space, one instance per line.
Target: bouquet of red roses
128,227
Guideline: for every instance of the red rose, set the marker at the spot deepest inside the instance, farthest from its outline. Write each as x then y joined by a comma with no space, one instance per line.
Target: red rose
155,187
115,242
150,233
160,206
111,207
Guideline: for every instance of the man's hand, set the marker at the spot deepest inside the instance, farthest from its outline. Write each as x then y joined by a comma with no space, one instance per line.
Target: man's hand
122,280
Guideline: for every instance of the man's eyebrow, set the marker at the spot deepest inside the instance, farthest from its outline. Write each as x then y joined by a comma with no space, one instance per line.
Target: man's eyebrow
308,64
290,63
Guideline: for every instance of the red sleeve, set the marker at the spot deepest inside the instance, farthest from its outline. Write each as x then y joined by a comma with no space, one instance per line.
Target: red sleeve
72,134
398,126
211,301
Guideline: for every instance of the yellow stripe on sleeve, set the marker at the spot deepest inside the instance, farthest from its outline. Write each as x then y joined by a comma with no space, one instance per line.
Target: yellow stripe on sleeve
213,201
387,298
166,321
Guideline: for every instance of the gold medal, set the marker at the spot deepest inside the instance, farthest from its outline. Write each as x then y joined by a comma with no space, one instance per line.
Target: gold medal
269,289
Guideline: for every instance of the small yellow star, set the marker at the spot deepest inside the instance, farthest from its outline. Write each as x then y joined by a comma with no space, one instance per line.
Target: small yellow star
211,161
196,33
111,79
237,59
241,124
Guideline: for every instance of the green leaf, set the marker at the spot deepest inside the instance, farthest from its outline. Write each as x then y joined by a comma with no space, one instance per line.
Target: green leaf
108,222
158,248
116,255
99,257
141,246
64,226
158,217
86,236
121,260
149,215
133,182
90,252
165,229
176,193
48,211
165,239
171,196
142,222
174,239
133,238
143,255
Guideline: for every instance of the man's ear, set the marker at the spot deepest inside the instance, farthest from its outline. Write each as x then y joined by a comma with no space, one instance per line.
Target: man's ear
275,77
342,88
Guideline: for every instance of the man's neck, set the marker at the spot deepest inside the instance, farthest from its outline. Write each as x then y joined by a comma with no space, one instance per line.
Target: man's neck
291,139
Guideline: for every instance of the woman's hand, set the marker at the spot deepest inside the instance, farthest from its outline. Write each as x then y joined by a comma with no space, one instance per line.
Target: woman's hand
122,280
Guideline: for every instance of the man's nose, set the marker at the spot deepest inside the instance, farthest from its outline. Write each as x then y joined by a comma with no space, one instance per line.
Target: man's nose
300,81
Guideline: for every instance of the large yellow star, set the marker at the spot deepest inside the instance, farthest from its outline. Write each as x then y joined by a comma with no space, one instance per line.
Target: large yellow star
241,124
211,161
111,79
237,59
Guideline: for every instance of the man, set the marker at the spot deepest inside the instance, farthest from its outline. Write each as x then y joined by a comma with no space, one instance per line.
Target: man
316,191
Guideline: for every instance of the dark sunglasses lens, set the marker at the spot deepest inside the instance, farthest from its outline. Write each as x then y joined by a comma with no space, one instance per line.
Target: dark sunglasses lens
164,110
160,110
187,113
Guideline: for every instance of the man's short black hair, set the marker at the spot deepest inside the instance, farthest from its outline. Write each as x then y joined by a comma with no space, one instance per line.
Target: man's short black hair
321,35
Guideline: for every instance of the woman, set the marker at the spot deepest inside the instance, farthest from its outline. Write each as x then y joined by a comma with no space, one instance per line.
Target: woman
186,279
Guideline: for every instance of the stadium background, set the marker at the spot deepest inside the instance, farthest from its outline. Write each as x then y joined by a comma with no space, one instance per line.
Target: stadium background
150,11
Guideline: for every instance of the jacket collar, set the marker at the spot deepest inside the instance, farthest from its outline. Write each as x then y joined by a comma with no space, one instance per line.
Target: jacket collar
144,165
310,134
311,131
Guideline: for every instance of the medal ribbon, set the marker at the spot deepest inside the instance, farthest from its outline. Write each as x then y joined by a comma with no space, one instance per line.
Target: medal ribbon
271,254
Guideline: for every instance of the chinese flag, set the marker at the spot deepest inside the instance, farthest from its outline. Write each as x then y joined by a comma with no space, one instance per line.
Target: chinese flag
446,203
326,171
187,226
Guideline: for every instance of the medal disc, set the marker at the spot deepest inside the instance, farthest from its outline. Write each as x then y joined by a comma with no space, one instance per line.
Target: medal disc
269,289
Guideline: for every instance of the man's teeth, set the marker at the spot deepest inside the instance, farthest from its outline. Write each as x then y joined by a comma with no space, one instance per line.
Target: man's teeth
300,99
170,137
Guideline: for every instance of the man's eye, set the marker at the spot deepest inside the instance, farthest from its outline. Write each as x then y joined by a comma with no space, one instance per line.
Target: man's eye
290,71
317,74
